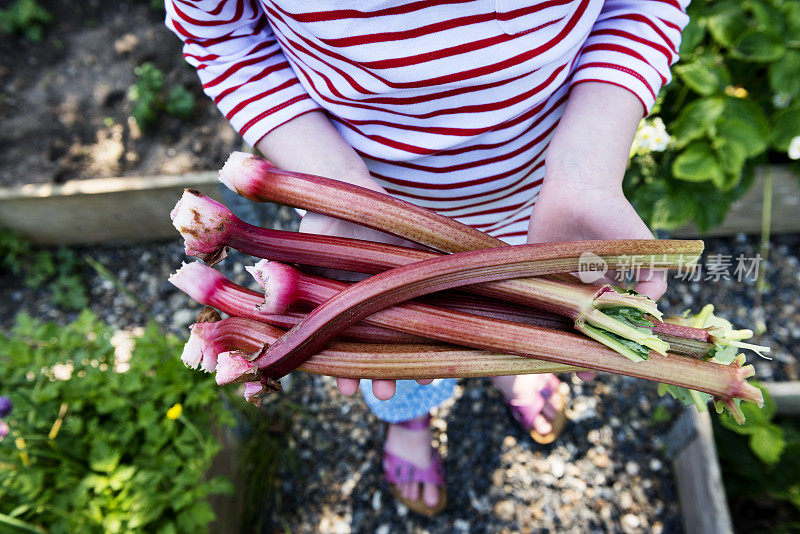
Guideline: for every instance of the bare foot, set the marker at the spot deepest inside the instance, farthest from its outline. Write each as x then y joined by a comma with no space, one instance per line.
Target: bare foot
523,390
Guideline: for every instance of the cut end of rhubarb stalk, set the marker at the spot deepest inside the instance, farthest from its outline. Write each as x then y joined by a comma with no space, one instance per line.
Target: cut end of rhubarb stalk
233,367
197,352
279,282
609,297
238,171
208,315
193,350
721,331
203,223
197,280
626,330
254,393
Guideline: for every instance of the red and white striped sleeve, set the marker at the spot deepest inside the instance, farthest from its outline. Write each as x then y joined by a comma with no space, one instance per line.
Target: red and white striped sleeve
632,44
240,64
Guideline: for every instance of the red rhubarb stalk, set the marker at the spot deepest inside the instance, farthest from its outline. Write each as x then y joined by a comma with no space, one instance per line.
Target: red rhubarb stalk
210,287
257,179
429,321
357,360
208,227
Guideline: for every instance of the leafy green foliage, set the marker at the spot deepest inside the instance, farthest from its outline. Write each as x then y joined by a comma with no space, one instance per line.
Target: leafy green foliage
760,457
91,449
766,439
735,96
25,17
59,271
150,98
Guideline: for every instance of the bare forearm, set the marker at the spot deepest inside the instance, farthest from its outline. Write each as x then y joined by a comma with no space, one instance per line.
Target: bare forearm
593,138
310,144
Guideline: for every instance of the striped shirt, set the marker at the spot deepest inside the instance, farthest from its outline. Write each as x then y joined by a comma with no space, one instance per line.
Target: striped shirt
451,103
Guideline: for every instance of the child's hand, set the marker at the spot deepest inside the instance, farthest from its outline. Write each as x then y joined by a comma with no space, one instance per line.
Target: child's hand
570,212
566,211
314,223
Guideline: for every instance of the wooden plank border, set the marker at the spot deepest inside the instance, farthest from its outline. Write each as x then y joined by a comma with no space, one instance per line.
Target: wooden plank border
103,210
704,506
745,214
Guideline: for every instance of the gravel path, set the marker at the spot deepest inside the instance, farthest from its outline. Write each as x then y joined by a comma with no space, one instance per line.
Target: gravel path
608,471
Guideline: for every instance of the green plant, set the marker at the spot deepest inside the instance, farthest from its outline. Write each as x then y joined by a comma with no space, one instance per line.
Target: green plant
25,17
263,458
761,457
150,99
58,270
96,447
14,249
734,103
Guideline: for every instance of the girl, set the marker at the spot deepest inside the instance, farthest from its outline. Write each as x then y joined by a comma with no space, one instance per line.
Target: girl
514,117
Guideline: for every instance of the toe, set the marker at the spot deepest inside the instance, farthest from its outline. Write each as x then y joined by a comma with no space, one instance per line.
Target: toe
430,494
403,489
542,425
413,491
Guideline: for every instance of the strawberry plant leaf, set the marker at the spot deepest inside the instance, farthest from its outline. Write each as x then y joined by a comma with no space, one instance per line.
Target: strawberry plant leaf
698,164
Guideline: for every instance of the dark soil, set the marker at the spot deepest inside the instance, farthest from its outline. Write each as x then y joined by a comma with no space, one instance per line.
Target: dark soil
64,109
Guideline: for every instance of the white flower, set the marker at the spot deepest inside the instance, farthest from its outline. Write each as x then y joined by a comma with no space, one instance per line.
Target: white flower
781,100
651,136
794,148
63,371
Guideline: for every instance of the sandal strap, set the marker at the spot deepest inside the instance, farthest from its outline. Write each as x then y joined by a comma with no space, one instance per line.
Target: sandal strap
416,424
400,471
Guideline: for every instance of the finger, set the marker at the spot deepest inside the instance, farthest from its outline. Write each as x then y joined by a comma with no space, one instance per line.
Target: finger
424,381
652,284
586,376
347,386
383,389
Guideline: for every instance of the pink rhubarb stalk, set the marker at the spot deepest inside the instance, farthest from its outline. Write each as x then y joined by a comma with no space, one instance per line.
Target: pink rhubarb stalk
373,298
208,286
414,318
208,227
237,335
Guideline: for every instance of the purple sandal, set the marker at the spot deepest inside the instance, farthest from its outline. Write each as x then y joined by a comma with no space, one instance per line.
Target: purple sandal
400,471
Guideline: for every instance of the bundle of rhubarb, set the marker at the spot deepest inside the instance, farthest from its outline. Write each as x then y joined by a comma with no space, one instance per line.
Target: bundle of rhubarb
465,305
